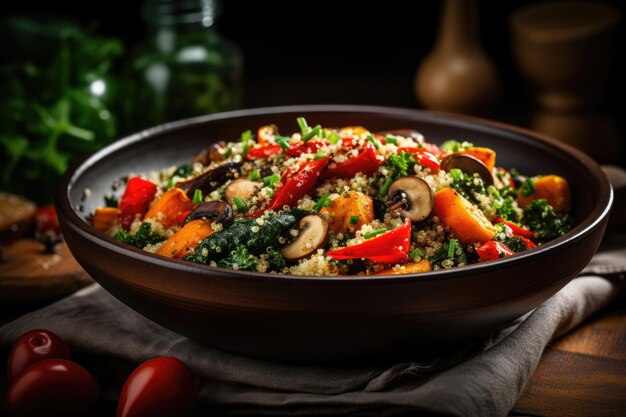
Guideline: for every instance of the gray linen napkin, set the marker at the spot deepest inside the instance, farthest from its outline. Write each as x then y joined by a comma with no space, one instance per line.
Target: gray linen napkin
470,382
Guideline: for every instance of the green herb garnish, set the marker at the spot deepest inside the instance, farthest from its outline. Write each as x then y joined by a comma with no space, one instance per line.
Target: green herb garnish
391,139
334,137
312,133
323,202
283,141
354,219
197,196
302,123
245,139
527,188
374,233
319,154
271,180
241,205
255,175
416,253
452,248
374,142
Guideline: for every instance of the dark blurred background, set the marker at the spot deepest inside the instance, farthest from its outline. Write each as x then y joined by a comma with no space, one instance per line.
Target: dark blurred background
329,51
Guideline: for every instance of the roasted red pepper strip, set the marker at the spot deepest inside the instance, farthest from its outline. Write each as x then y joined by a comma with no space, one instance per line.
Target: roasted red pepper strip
135,200
424,158
262,152
389,248
295,186
309,147
528,242
515,229
493,250
366,162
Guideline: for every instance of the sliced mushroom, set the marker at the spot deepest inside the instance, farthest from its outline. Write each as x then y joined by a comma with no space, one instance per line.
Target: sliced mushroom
467,164
213,153
313,235
218,211
211,179
412,197
242,188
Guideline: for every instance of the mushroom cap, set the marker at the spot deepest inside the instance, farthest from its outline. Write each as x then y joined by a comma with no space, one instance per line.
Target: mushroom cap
242,188
468,164
217,211
418,194
313,235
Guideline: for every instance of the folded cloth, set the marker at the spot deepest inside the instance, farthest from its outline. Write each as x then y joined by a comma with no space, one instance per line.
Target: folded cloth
468,382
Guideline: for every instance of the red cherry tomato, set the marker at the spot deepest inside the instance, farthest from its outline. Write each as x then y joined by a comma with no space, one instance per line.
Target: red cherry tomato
34,346
46,220
160,387
52,387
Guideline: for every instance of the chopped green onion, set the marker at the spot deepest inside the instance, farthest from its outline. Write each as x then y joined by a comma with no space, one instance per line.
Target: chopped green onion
197,196
170,183
323,202
319,155
391,139
255,175
374,142
245,139
456,174
385,188
416,253
334,137
271,180
370,235
451,248
315,131
302,123
527,188
241,205
323,133
283,141
354,219
228,152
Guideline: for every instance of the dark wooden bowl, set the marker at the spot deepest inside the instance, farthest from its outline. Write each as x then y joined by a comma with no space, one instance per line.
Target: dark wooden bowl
329,319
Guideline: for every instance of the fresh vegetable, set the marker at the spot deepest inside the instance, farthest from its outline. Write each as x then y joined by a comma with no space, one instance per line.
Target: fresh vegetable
388,248
553,188
516,230
409,268
349,206
172,208
465,220
451,252
56,93
492,250
52,387
263,152
104,218
295,186
136,200
186,239
423,157
158,387
34,346
366,162
544,221
453,145
255,235
141,238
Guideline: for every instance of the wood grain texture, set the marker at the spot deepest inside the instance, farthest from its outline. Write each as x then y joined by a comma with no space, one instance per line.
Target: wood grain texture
28,275
583,373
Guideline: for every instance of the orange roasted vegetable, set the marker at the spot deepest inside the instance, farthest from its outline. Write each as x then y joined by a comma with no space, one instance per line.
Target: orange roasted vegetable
185,239
349,131
465,220
553,188
485,155
104,218
349,211
410,268
171,209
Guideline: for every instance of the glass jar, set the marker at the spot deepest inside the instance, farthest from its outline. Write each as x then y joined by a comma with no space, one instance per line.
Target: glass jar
184,68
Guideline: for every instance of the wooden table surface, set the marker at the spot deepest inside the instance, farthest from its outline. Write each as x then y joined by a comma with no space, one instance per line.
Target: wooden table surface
580,374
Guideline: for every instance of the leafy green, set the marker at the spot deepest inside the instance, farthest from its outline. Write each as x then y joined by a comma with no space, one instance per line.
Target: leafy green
400,164
512,242
275,260
239,258
324,201
504,206
467,185
527,188
540,217
450,250
54,109
255,235
141,238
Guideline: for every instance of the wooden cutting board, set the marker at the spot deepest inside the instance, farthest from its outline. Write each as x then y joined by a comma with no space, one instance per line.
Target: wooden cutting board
28,275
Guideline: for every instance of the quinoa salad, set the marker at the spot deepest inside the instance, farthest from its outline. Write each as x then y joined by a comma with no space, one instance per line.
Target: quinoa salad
328,201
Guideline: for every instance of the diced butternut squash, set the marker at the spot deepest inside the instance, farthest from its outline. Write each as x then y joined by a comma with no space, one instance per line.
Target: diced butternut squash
349,211
465,220
486,155
187,238
171,209
553,188
410,268
104,218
